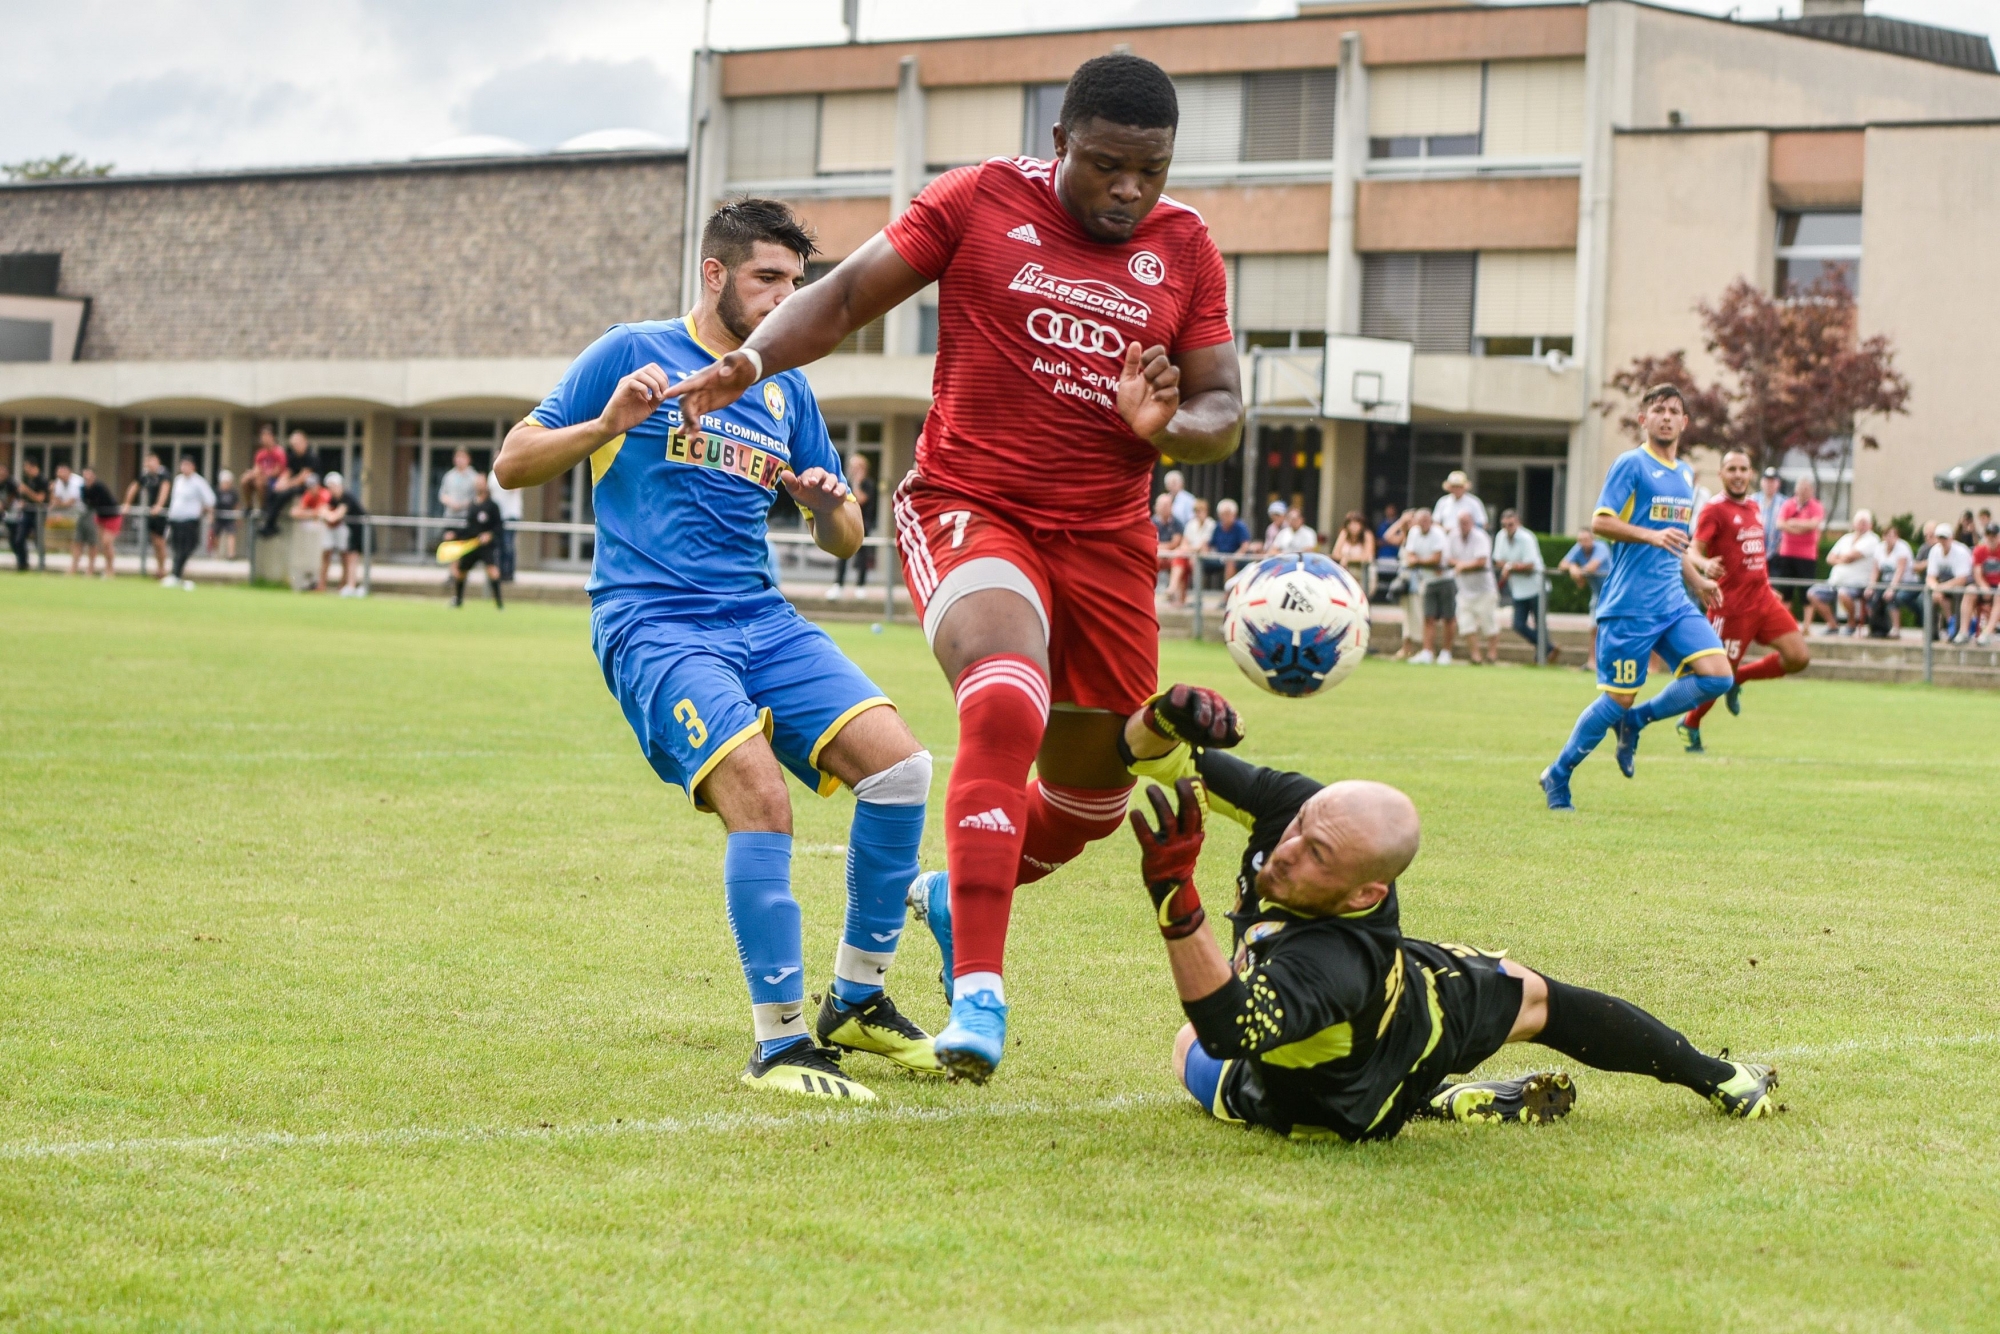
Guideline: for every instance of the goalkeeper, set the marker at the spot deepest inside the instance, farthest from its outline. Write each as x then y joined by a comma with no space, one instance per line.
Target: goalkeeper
1331,1021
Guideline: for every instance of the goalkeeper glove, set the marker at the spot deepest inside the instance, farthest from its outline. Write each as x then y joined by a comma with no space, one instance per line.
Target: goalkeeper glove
1194,715
1167,857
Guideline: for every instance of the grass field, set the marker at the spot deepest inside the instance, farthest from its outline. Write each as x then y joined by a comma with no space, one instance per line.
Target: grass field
359,974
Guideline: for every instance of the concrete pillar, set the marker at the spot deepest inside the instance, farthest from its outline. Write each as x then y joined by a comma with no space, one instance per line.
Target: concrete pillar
239,442
1343,477
708,164
902,326
107,455
1609,58
378,469
1350,155
899,454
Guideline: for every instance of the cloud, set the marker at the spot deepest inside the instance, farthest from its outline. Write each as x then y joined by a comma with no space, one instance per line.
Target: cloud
181,107
547,101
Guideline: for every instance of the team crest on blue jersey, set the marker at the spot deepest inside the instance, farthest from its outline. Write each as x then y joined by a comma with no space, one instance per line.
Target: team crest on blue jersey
774,399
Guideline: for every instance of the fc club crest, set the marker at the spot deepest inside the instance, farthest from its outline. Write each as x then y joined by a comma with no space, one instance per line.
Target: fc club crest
774,399
1147,268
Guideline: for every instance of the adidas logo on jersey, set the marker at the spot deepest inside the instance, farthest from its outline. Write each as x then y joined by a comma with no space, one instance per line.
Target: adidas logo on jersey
1025,232
995,820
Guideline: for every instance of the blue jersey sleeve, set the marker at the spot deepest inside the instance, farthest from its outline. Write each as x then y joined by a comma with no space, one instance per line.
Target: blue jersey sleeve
589,382
1621,489
811,447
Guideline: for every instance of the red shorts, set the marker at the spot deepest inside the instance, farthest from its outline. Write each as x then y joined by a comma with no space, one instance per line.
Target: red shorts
111,525
1093,591
1764,621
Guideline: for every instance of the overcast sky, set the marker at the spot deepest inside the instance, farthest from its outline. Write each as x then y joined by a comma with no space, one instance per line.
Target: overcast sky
163,85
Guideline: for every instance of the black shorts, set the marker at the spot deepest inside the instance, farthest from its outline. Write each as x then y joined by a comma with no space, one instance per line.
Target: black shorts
156,525
477,556
1480,1004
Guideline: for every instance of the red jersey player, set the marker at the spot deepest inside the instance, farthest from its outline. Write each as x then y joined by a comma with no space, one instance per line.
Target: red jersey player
1730,529
1083,333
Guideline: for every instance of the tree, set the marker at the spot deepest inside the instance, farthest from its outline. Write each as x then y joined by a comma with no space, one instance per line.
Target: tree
63,167
1796,375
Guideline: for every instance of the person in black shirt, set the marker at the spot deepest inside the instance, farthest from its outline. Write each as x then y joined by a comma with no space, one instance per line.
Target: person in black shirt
1332,1022
22,500
345,530
108,519
862,487
484,522
151,491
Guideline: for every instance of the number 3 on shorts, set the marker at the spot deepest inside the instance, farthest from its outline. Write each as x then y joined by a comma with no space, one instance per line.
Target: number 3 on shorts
1624,671
687,716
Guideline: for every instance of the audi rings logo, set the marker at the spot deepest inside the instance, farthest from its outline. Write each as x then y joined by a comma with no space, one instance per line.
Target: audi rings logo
1073,333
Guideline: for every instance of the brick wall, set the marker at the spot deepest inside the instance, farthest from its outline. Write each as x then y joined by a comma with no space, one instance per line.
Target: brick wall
513,259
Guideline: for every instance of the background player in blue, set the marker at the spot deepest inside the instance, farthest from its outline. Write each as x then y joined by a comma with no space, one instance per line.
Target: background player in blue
724,684
1647,512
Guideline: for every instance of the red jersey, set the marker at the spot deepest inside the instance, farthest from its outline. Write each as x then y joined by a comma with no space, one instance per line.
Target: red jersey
1733,530
1033,319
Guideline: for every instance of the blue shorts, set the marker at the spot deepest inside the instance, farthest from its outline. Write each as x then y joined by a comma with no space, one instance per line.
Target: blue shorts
695,692
1626,645
1203,1077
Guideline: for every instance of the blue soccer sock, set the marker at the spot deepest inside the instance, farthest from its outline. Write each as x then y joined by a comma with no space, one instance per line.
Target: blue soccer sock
882,846
764,917
1679,697
1591,725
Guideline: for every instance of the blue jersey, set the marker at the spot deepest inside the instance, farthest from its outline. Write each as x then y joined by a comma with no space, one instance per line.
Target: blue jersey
680,529
1648,492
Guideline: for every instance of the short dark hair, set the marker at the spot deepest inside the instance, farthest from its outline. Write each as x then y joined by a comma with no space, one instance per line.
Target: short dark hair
1660,391
732,232
1122,89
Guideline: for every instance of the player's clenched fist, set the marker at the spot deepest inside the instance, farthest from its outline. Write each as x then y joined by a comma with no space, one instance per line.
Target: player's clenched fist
1149,390
636,398
713,388
815,489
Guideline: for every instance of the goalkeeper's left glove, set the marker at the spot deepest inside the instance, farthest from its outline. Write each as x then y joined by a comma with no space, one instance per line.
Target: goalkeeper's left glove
1194,715
1167,857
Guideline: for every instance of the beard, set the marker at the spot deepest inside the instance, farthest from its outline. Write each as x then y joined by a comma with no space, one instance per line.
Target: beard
729,309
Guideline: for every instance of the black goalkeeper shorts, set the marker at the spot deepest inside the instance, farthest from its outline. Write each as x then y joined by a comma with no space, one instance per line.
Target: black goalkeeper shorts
1480,1004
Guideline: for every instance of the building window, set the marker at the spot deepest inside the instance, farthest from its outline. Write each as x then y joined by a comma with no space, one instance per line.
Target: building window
869,337
1425,145
1811,245
964,125
1288,115
1279,301
857,133
1534,108
773,138
1425,299
1526,302
1044,104
1426,111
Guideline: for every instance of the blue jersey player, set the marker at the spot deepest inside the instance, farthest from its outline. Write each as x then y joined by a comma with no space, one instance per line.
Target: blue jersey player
1647,512
724,684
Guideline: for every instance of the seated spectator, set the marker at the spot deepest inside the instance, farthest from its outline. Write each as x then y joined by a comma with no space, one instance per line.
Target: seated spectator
1387,556
1172,537
1296,537
1354,550
1518,558
1429,593
1896,568
1985,601
1967,532
1947,576
1231,539
1195,537
1275,513
1183,499
1588,564
1854,559
1469,552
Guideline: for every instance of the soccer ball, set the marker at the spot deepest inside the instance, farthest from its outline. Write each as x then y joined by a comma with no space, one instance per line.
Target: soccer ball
1296,625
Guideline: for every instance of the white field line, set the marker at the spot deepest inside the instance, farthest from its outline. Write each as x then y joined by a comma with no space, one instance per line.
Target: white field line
711,1123
1882,1044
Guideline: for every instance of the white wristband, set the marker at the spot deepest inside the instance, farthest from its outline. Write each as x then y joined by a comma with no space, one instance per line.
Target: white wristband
756,360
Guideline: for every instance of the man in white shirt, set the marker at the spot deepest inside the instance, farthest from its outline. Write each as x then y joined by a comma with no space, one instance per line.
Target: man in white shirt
66,502
1518,557
458,489
1854,559
1947,577
1182,498
190,500
1295,536
510,510
1458,497
1469,552
1896,567
1432,599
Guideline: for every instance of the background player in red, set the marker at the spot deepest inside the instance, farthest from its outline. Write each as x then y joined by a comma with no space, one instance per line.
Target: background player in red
1083,334
1730,529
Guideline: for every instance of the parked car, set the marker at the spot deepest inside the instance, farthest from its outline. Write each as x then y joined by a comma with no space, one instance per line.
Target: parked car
1981,477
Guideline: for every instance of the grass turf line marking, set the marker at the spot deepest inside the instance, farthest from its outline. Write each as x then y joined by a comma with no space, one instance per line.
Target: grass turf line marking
1882,1044
717,1123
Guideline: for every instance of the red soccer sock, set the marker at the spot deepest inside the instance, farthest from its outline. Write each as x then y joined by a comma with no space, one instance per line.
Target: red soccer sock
1063,821
1767,668
1003,709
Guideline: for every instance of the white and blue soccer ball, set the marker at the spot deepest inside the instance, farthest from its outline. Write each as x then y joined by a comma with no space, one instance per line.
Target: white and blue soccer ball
1296,625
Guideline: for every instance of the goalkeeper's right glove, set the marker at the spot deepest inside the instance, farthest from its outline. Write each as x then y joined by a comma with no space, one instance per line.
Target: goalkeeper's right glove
1194,715
1167,857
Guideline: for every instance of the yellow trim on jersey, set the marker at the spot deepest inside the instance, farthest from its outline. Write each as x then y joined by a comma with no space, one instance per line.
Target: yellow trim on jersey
828,784
763,724
1681,670
603,457
1219,1109
687,322
1437,1031
1329,1044
1647,450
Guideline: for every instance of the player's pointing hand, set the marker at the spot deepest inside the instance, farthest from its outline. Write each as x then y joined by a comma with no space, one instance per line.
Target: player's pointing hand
815,489
1149,390
635,399
713,388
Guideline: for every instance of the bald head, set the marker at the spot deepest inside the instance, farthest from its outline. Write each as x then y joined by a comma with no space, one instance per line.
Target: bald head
1348,842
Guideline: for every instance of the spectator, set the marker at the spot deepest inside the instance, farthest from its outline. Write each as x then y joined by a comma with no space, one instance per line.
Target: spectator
1947,576
1896,568
1196,537
22,498
228,507
102,518
1430,591
1275,513
1388,532
1770,495
295,477
1518,557
1458,497
1296,537
266,467
150,493
1469,552
191,501
458,490
1986,583
863,488
1171,536
1984,523
1800,520
1354,549
510,513
1588,564
342,515
482,521
1967,533
1230,539
1854,559
66,507
1183,501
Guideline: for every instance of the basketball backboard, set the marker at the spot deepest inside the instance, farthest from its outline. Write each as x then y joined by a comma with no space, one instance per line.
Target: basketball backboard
1367,379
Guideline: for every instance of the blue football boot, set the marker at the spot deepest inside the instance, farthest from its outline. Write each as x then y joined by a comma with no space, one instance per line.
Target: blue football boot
974,1041
1556,790
929,901
1628,742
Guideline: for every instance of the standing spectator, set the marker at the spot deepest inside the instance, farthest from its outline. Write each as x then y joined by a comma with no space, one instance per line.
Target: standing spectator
1296,537
1354,550
862,486
482,521
103,520
150,493
1183,499
1947,576
191,501
1854,559
1588,564
342,515
1800,520
1275,513
228,508
1458,498
1770,495
1519,558
1431,597
1388,532
510,511
458,490
1469,552
66,507
1896,568
16,498
1171,536
1966,532
1986,580
1230,539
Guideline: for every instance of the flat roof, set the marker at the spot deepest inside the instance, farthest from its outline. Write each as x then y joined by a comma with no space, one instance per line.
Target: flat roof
503,162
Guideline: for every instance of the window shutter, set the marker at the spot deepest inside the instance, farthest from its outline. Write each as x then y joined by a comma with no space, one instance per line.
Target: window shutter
1280,292
1288,115
1423,100
964,125
773,138
1044,104
1534,108
1526,294
1422,299
857,132
1211,128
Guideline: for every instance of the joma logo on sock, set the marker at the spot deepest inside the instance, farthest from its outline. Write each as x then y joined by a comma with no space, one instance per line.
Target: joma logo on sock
994,820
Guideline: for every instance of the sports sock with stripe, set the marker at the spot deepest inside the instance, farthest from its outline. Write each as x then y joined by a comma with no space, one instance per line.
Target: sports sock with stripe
1063,821
764,918
1679,697
1607,1033
1767,668
1600,717
882,845
1003,709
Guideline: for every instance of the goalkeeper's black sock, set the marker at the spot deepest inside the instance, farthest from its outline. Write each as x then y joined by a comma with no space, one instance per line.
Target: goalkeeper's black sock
1612,1034
494,584
458,592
